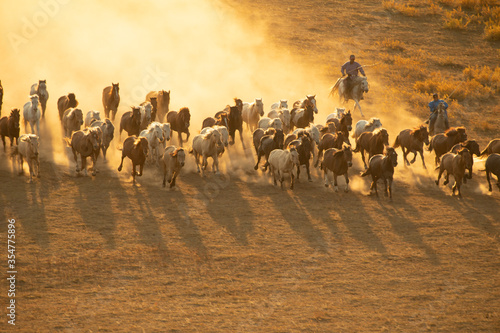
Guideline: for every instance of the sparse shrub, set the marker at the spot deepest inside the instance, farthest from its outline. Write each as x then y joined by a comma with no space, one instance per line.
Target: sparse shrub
484,75
470,89
392,44
456,20
492,30
400,8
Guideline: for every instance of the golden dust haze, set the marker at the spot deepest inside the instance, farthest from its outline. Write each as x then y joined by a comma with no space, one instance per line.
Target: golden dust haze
200,50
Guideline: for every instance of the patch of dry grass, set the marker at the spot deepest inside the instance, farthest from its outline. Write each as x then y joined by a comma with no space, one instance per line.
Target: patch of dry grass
456,20
492,30
391,44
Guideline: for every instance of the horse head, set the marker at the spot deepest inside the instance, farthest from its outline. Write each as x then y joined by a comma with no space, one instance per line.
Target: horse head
116,89
185,116
94,137
347,120
260,106
466,157
422,134
363,83
346,148
279,138
239,104
312,99
391,154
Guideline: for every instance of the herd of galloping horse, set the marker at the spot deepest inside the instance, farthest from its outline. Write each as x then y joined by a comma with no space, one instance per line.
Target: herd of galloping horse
288,139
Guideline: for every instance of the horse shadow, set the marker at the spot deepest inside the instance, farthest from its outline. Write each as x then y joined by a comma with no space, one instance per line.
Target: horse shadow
297,214
400,214
174,207
221,195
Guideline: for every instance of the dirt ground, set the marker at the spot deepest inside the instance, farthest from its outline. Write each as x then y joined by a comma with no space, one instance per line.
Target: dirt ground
233,253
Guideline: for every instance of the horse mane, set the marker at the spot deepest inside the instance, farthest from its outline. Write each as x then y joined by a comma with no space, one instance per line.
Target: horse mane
371,121
452,131
417,130
184,110
378,130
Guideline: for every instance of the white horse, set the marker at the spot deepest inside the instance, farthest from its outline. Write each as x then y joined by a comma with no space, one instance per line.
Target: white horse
252,112
154,134
360,86
165,127
207,145
366,126
92,116
145,115
282,104
40,89
32,114
27,149
266,122
339,112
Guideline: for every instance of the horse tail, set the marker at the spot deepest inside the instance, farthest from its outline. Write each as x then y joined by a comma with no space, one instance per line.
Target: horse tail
335,87
430,144
366,172
397,143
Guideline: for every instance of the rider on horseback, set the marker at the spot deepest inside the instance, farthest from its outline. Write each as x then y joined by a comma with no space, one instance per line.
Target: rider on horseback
433,108
351,68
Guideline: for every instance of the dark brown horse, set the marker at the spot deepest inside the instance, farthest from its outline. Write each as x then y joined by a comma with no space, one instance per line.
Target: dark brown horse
454,164
493,147
135,148
372,142
235,121
301,118
1,97
258,134
110,100
179,122
267,144
442,143
412,141
337,161
86,143
343,125
330,140
162,103
131,122
473,148
492,166
9,126
66,102
382,167
304,146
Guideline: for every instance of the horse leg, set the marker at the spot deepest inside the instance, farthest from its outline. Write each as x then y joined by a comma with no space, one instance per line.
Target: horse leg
362,151
320,154
133,173
180,138
356,103
273,174
447,178
75,156
259,155
335,184
385,187
346,182
121,164
308,172
414,157
241,138
3,139
421,152
21,164
292,181
282,179
325,172
390,189
204,163
216,164
298,172
141,167
84,164
488,179
94,162
30,166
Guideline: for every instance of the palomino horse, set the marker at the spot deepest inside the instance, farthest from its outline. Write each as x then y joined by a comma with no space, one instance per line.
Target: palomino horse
32,113
360,86
252,112
110,100
40,89
162,103
9,126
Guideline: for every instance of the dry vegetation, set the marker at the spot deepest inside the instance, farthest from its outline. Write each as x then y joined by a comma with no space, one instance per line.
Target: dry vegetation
234,254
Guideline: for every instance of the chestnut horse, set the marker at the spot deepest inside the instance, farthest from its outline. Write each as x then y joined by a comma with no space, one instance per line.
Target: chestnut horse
382,167
412,141
337,161
443,142
110,100
372,142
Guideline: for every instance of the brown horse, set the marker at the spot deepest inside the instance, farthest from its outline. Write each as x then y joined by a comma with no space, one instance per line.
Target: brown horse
179,122
330,140
304,146
66,102
443,142
412,141
131,122
493,147
135,148
338,161
382,167
86,143
110,100
9,126
454,164
343,125
162,103
473,148
235,120
372,142
492,165
258,134
267,144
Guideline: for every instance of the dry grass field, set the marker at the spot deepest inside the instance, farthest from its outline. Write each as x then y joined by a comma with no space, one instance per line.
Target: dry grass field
233,253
